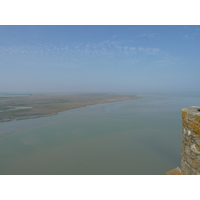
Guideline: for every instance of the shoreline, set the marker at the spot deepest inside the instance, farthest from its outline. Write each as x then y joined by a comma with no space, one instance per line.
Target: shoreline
40,115
96,104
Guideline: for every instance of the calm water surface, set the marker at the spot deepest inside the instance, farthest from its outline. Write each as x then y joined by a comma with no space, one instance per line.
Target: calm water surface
137,137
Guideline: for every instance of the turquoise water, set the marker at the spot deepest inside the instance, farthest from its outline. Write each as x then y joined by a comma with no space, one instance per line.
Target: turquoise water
140,136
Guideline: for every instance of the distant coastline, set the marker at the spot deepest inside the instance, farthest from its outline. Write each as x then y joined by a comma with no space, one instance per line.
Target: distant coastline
43,105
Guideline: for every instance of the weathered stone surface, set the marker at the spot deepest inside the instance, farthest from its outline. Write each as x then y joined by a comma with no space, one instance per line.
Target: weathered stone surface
190,163
195,149
187,149
176,171
183,166
198,171
189,170
193,155
198,160
197,141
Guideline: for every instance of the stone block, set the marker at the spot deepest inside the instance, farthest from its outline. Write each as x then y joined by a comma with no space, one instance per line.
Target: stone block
191,162
197,141
175,171
198,160
193,155
187,149
195,149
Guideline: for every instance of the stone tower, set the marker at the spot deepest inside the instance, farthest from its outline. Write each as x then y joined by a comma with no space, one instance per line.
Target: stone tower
190,163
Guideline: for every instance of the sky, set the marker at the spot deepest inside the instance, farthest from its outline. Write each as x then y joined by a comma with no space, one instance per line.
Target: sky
119,59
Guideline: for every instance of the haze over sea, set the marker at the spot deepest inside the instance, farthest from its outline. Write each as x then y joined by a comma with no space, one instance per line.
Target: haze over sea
141,136
159,63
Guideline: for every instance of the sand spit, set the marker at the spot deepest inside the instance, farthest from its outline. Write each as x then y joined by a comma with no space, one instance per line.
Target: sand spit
42,105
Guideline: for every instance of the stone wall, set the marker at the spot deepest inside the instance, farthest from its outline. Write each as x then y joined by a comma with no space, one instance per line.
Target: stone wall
190,163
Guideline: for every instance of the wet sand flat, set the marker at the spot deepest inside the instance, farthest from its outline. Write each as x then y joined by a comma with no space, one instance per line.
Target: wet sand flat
40,105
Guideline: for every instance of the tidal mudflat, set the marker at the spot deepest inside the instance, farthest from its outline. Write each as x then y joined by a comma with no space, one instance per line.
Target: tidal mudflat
19,106
133,137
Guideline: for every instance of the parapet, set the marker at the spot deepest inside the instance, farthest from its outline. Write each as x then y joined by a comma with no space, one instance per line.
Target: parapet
190,162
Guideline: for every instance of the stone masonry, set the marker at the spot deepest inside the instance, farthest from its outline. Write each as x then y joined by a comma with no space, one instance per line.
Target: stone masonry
190,163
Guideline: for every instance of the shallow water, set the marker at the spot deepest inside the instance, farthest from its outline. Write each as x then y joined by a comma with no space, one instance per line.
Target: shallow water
141,136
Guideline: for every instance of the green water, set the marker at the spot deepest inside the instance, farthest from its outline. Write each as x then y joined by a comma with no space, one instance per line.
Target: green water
141,137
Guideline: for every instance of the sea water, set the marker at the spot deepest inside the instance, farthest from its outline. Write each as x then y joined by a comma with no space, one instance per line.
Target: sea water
135,137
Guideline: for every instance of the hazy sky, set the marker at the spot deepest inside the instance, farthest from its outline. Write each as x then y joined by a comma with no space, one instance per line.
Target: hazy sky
100,59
